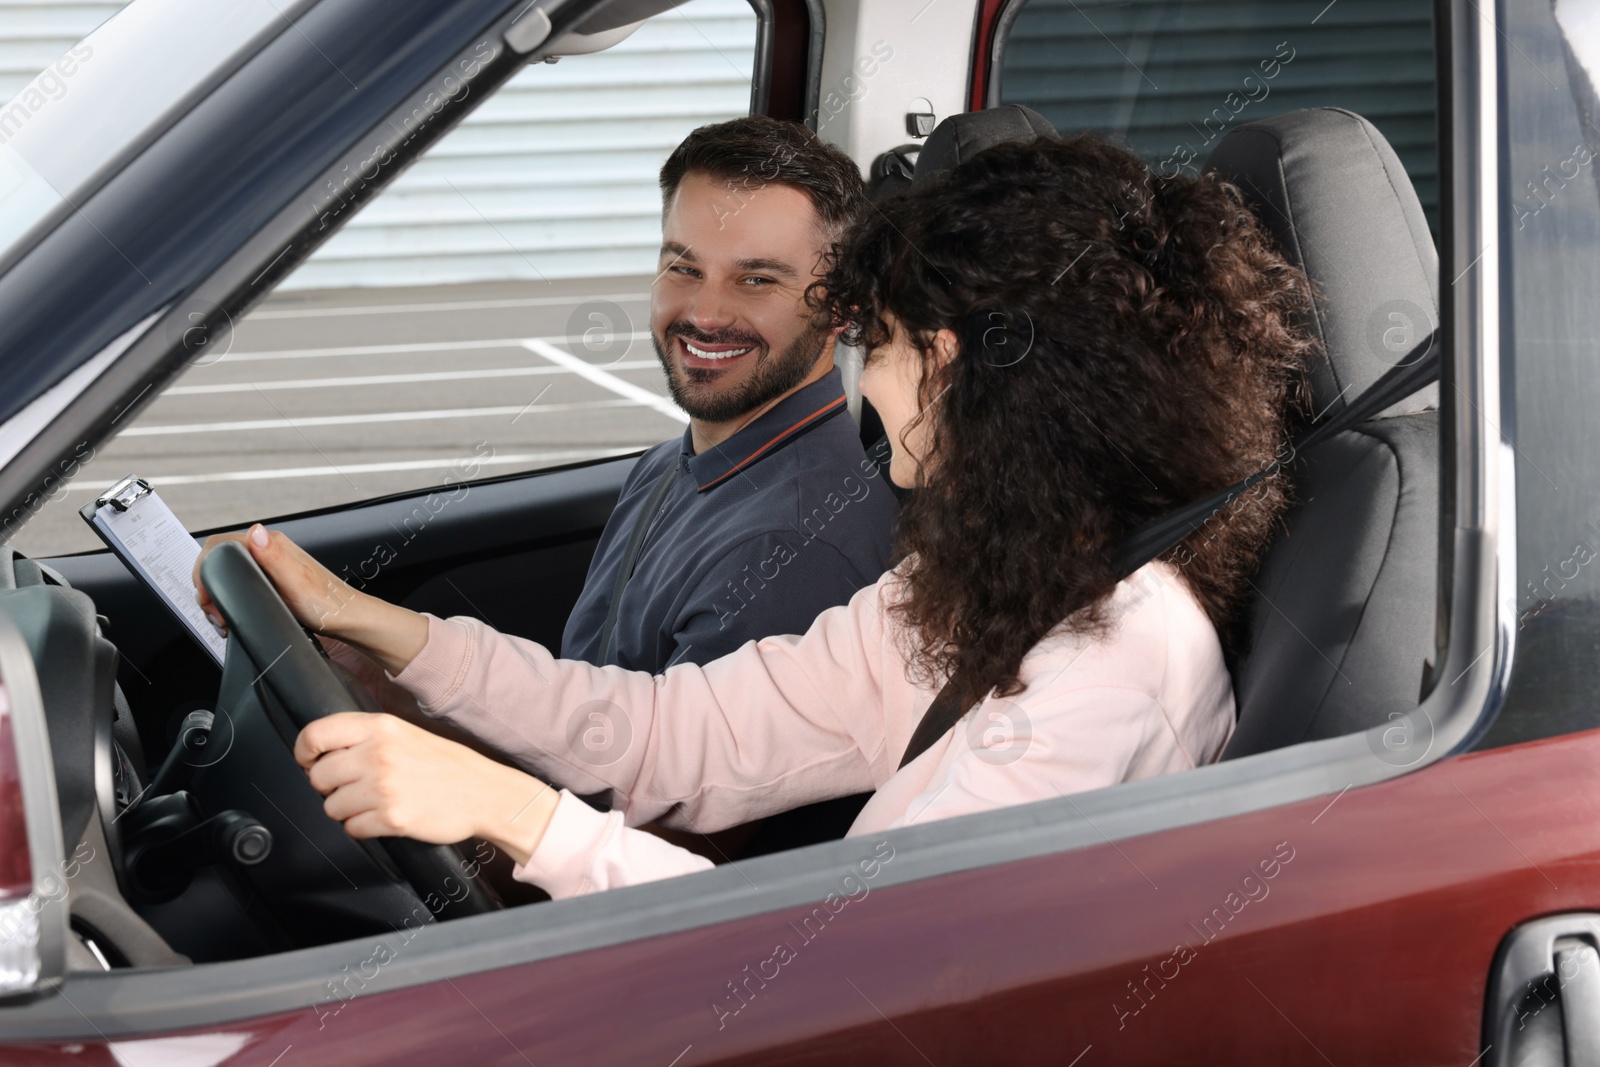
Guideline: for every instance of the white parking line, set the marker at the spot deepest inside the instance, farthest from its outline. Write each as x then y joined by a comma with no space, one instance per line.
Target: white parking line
457,305
402,379
381,416
395,349
603,378
164,480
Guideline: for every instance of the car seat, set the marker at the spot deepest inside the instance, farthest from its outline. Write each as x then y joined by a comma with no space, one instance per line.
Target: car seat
1342,612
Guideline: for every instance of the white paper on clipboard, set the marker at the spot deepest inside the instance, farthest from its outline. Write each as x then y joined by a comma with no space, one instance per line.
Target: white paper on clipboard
140,528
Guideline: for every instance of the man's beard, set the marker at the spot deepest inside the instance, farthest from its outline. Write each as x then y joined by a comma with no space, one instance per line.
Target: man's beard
772,377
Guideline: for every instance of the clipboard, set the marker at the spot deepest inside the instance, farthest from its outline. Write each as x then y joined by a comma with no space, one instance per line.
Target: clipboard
136,524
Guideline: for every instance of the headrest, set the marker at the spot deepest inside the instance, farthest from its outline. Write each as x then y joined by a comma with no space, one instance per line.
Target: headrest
960,137
1335,196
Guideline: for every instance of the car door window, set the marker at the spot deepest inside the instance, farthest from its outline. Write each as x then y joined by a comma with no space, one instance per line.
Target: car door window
1170,77
1552,237
486,314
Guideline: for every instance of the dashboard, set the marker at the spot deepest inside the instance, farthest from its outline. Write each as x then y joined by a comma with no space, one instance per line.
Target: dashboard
174,858
97,758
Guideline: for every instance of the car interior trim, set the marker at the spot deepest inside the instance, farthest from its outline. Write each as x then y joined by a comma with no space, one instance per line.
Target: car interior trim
766,46
1009,11
818,16
43,817
988,25
916,68
770,92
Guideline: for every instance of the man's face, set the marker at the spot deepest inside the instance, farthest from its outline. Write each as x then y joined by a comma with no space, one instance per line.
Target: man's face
727,311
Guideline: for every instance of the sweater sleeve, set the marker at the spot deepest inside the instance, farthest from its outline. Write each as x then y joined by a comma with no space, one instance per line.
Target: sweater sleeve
390,697
586,851
776,724
741,605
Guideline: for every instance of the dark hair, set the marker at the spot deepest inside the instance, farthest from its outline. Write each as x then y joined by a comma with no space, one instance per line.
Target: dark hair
1127,344
755,150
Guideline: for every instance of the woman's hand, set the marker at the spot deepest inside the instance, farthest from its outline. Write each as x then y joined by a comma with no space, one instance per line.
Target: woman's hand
313,593
384,777
322,601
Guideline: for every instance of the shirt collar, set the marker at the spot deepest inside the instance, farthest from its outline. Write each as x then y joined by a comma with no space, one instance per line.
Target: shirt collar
789,419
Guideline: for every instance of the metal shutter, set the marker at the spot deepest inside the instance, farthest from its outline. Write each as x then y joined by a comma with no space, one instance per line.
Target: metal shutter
554,177
35,33
1157,74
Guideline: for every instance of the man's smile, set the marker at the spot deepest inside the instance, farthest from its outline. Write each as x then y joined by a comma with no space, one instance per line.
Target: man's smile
699,355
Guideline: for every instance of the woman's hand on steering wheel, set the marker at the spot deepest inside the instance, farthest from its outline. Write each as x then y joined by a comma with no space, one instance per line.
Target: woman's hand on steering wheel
313,593
384,777
269,642
323,602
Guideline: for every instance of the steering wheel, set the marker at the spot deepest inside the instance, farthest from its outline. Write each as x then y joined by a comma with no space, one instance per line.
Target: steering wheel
297,674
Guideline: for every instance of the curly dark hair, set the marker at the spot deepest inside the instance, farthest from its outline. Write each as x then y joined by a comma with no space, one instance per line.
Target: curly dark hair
1128,343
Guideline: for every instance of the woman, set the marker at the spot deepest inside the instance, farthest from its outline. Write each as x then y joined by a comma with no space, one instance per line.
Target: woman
1062,347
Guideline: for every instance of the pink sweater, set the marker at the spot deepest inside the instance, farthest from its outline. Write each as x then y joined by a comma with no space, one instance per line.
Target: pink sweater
790,720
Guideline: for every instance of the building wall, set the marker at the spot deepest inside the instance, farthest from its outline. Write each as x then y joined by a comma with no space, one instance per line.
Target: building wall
553,177
1168,77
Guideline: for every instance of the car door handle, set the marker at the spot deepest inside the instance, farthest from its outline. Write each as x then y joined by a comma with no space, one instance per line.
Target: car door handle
1543,1008
1578,972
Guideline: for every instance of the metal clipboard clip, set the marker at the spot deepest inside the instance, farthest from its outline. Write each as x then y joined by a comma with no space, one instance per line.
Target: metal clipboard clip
122,495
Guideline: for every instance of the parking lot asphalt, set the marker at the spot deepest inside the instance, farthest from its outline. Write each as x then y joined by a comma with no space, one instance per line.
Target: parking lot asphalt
319,399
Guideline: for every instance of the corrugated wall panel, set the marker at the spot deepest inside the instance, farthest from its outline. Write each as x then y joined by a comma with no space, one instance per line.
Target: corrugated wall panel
1152,72
34,34
553,177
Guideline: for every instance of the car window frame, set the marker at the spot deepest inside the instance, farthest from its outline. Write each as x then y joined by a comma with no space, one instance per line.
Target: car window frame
91,180
779,59
1478,569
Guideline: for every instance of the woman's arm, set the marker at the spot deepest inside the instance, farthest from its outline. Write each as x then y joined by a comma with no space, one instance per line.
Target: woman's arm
384,777
320,600
778,723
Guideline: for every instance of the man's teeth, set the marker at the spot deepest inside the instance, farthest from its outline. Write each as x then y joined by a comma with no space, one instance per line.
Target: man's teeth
703,354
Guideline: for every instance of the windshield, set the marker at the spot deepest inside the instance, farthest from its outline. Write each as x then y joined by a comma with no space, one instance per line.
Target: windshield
109,94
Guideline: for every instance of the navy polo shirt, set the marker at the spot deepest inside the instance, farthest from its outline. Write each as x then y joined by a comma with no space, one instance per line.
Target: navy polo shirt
756,536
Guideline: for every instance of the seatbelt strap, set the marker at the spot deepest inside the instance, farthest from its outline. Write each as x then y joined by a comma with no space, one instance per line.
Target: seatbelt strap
630,557
1420,368
945,711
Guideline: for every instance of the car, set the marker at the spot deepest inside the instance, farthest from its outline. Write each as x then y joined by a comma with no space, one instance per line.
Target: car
1396,861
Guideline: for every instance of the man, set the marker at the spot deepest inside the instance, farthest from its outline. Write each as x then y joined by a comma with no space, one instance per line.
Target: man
767,511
